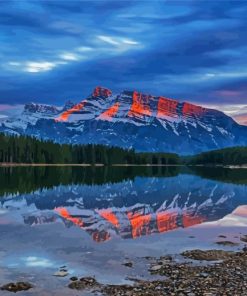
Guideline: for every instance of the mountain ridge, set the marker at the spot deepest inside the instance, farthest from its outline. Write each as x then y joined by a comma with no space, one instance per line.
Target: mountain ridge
139,106
131,119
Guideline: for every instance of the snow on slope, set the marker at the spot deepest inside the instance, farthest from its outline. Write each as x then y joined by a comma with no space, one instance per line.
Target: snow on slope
130,119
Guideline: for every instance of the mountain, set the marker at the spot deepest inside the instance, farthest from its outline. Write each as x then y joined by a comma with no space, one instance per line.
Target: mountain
130,119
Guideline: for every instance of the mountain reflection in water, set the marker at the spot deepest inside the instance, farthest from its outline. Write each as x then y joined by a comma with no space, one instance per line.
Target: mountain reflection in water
126,202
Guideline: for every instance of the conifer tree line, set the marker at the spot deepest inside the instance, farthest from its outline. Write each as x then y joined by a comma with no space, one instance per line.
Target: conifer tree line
227,156
26,149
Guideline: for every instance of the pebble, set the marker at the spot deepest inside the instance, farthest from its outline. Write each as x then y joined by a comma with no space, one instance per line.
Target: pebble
61,273
16,287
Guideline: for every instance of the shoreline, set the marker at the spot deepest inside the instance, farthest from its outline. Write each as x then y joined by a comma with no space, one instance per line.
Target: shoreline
8,164
85,165
199,273
49,164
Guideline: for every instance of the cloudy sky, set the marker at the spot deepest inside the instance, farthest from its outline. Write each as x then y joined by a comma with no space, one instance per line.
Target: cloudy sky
52,51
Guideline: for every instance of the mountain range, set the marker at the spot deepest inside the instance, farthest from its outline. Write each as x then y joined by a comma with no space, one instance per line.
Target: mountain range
130,119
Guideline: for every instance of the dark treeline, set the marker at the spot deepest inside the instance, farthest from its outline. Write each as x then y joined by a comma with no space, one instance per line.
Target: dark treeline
227,156
23,149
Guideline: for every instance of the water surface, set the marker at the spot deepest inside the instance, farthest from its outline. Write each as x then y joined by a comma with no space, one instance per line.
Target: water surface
92,220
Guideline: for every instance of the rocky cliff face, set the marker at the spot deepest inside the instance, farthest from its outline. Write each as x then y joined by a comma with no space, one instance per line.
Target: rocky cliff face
131,119
101,92
38,108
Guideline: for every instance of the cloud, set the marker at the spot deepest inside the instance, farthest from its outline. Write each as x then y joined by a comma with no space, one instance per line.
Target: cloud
69,56
65,48
34,67
15,64
84,49
237,111
230,109
241,118
117,41
7,110
108,39
130,42
67,27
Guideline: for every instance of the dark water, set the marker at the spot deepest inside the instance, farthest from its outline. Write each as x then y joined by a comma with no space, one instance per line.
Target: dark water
92,219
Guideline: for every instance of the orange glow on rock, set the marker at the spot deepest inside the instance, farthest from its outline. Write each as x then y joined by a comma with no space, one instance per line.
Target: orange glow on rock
166,221
102,92
189,109
140,105
111,112
167,107
109,216
140,224
66,114
66,215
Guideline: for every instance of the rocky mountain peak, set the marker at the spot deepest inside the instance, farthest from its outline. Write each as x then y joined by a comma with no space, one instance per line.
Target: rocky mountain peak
68,105
40,108
100,91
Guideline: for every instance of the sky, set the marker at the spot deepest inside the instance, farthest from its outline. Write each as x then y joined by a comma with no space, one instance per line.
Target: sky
52,51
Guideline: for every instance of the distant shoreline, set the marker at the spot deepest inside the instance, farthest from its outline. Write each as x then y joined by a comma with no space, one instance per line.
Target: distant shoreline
48,164
244,166
8,164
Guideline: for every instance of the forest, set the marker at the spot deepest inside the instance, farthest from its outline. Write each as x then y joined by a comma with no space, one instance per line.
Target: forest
25,149
227,156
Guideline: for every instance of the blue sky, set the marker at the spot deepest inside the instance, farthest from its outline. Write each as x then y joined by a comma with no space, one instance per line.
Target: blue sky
52,51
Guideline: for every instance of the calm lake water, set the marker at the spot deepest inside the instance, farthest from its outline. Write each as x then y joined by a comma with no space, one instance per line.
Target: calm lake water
92,220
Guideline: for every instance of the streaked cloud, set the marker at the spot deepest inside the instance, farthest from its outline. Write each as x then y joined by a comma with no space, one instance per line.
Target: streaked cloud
84,49
14,64
231,109
117,41
35,67
191,52
241,118
108,39
237,111
130,42
8,110
32,66
69,56
67,26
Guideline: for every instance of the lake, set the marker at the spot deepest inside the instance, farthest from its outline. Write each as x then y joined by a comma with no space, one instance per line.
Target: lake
91,221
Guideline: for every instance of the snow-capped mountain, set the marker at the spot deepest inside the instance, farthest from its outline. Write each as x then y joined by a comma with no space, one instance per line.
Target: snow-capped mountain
130,119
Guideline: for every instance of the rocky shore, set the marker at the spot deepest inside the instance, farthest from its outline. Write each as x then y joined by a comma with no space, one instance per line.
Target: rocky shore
199,273
227,275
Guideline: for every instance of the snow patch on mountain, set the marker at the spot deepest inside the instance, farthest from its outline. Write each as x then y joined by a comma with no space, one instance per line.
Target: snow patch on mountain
130,119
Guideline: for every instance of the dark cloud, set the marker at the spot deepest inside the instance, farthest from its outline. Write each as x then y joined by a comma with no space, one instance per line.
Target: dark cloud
55,50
